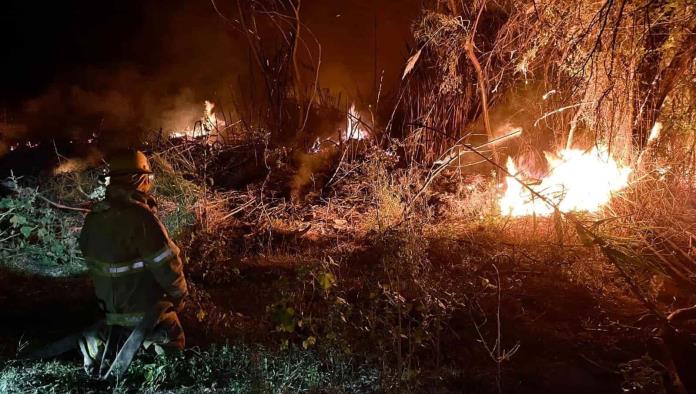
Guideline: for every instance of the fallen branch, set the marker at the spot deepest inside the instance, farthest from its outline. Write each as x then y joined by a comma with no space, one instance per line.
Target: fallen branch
11,184
238,209
61,206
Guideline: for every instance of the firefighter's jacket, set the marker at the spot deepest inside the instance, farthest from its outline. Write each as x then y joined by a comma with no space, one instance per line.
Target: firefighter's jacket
132,260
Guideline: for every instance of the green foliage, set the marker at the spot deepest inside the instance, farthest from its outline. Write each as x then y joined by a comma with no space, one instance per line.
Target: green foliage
36,238
283,316
326,280
233,369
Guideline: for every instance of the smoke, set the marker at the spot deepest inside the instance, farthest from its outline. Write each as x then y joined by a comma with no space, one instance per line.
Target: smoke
91,158
311,172
184,53
522,107
116,106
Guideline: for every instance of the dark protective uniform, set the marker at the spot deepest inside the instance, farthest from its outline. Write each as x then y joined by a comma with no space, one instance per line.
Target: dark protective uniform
135,267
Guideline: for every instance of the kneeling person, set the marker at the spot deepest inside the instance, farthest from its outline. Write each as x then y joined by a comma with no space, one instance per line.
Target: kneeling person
136,268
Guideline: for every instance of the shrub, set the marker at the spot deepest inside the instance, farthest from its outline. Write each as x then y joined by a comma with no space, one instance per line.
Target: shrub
37,238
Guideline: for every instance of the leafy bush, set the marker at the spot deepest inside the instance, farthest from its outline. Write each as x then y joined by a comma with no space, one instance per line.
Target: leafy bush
36,238
234,369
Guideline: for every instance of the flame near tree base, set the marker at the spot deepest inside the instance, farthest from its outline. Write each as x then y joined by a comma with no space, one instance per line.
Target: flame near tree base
577,180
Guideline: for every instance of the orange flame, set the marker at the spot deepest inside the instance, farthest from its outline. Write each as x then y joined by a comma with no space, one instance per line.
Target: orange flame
354,127
208,124
578,181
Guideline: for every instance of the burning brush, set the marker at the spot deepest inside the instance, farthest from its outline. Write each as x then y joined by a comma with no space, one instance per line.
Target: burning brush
577,180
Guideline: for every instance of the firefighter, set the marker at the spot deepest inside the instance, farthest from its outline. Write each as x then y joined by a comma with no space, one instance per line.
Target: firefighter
136,268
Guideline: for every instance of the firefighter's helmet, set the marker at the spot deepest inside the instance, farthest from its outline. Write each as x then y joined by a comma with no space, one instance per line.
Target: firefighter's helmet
126,162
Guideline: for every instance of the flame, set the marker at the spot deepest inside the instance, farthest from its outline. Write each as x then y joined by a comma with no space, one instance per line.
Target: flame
208,124
355,130
578,181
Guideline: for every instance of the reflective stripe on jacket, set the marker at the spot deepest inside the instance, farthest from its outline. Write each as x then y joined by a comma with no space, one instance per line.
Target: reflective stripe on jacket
124,319
124,268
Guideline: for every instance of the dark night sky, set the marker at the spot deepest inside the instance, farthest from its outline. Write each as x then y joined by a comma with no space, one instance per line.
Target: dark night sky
68,66
41,40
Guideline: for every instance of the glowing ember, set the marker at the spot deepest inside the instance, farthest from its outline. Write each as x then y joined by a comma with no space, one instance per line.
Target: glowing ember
577,181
